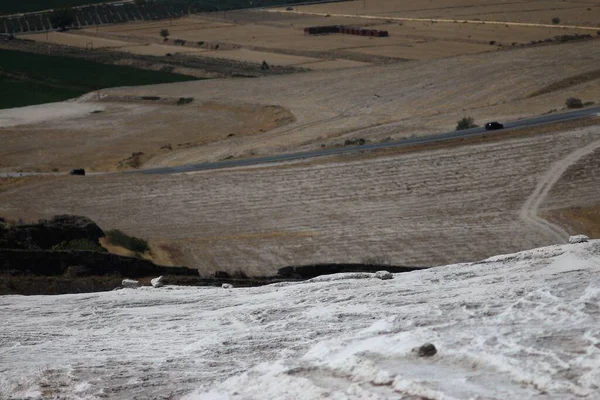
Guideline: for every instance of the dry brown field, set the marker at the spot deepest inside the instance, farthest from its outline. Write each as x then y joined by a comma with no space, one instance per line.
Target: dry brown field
433,206
425,208
276,36
302,111
570,12
105,137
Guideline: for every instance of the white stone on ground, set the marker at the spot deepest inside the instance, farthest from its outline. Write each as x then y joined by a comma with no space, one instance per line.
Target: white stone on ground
578,239
157,282
130,283
383,275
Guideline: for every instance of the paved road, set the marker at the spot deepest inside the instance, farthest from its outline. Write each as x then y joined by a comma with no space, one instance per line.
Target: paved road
546,119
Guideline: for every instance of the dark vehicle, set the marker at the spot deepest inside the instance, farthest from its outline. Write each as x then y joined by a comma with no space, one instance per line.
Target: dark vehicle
77,171
492,126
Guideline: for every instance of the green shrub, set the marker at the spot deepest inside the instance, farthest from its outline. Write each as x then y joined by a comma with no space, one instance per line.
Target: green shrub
119,238
355,142
574,102
466,123
79,244
180,42
184,100
556,20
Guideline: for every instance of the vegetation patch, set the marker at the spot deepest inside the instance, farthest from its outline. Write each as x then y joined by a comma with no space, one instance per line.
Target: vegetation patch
466,123
23,83
135,161
355,142
574,102
184,100
119,238
14,7
79,244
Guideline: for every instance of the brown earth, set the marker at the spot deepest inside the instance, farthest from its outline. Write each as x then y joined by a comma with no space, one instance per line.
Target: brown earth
123,133
278,38
436,206
392,101
568,83
583,220
570,12
570,205
424,208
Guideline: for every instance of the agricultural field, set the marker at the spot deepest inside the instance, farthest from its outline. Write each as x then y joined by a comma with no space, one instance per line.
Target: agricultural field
427,208
569,12
105,136
23,82
420,209
277,35
305,111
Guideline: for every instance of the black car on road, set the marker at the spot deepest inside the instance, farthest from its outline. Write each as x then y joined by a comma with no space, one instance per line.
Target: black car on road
492,126
77,171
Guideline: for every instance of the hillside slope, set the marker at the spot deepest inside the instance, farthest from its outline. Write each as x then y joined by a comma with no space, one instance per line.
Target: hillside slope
517,326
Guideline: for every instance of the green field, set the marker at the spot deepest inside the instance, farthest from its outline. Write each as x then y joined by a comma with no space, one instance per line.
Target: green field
28,79
23,6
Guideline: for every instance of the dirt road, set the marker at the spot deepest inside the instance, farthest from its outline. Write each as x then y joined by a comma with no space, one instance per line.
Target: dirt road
530,210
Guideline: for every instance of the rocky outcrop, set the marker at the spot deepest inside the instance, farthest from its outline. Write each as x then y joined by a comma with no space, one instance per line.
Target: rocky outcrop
81,264
130,283
157,282
427,350
312,271
48,233
578,239
35,272
383,275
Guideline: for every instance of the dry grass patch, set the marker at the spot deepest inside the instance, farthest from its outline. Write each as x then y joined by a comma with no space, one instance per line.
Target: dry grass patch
568,82
585,220
130,132
444,205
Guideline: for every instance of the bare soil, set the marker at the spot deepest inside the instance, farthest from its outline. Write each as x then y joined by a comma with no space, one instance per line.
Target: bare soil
434,206
126,133
583,220
570,12
425,208
573,207
278,37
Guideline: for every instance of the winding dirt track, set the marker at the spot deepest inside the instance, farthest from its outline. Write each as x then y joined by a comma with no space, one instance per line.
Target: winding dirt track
530,209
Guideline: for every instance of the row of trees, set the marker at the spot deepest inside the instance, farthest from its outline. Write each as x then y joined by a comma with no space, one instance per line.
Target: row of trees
65,17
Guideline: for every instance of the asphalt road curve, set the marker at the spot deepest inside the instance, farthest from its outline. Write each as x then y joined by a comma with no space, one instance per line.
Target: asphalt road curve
546,119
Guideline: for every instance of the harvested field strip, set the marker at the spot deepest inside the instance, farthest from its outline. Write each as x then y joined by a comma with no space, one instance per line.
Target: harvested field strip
439,20
23,83
484,138
445,205
568,82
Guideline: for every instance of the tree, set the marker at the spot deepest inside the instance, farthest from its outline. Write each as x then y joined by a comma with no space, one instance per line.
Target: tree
465,123
574,102
556,20
63,18
165,33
